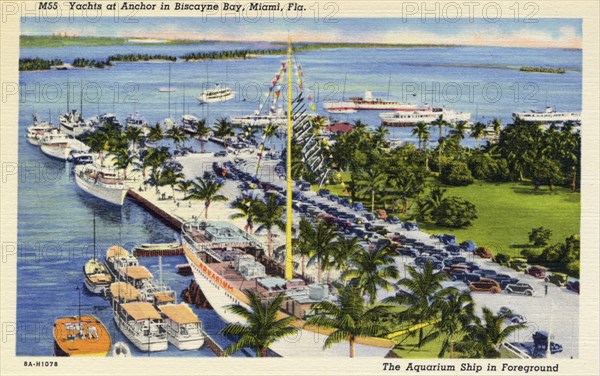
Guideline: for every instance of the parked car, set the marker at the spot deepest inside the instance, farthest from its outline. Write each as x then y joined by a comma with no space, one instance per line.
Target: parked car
537,271
559,279
468,246
512,317
464,276
393,220
453,249
573,285
485,285
447,239
411,226
222,153
540,341
483,252
519,264
408,252
520,288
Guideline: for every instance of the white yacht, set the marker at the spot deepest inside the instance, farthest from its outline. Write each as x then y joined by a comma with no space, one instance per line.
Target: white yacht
56,145
72,124
428,115
102,119
261,120
101,182
548,116
366,103
218,94
38,130
184,329
139,321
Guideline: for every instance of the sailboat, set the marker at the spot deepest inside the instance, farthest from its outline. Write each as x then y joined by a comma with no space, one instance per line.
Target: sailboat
97,279
209,248
80,335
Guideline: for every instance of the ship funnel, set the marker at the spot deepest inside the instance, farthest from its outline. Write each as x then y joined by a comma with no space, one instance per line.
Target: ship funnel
368,95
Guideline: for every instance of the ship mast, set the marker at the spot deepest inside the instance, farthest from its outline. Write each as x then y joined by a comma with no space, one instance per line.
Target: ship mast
288,223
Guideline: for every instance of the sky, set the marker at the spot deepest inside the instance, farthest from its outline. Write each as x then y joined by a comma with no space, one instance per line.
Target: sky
546,33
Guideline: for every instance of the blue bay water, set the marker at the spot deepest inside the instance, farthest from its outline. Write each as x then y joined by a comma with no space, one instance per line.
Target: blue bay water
55,218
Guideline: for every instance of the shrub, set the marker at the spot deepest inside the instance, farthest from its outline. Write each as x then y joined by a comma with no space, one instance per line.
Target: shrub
454,212
502,259
539,236
456,173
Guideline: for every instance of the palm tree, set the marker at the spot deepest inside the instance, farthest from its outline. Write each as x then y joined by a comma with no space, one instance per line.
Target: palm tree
421,293
269,214
262,326
459,130
155,133
379,136
371,182
170,177
440,122
177,135
421,130
497,126
206,190
320,242
134,136
183,186
487,336
478,131
344,250
245,205
457,313
223,129
201,131
302,244
122,159
349,319
370,270
271,131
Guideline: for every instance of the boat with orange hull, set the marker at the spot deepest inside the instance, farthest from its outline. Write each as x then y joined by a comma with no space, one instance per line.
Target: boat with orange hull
81,336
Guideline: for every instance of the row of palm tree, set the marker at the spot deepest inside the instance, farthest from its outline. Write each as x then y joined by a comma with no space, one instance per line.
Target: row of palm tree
445,315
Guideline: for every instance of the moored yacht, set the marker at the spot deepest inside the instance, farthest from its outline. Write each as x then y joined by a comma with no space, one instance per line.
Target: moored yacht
38,130
72,124
261,120
218,94
97,279
368,102
184,329
548,116
56,145
101,182
139,321
426,115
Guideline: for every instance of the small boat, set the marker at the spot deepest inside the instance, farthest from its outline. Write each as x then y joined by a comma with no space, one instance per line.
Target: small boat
139,321
135,120
118,258
81,336
158,246
184,269
184,329
102,120
166,89
218,94
101,182
80,158
97,279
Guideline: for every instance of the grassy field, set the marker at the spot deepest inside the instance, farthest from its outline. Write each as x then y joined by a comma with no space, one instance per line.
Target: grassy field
507,212
48,41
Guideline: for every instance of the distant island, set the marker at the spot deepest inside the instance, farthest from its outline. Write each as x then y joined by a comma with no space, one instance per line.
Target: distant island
542,70
61,40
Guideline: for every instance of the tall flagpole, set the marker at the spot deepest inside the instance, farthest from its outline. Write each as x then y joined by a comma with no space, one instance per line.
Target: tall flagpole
288,223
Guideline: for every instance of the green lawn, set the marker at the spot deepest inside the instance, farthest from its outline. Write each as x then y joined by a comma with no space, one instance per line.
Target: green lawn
507,212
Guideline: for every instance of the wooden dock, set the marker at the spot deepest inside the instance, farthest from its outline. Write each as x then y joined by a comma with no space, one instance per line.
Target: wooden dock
174,222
